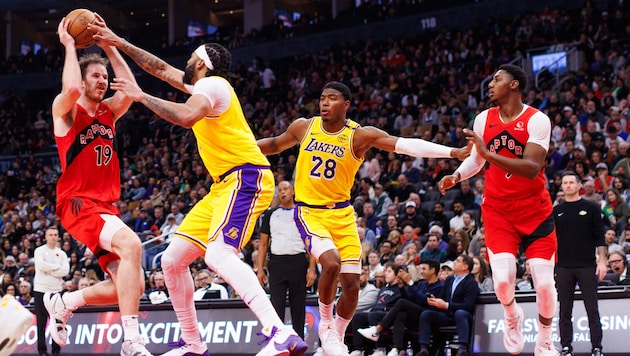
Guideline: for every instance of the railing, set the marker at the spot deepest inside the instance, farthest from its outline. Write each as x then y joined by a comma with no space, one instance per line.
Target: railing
557,72
152,245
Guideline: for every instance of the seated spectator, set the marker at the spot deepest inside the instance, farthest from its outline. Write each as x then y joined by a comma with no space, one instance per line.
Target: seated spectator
158,294
386,253
432,250
446,270
407,310
205,280
412,260
374,264
170,225
25,297
482,275
618,263
379,280
84,282
387,298
454,249
610,237
525,282
455,305
367,292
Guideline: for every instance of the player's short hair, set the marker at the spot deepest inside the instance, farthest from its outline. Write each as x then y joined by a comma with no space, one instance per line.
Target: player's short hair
221,60
91,58
517,73
571,174
342,88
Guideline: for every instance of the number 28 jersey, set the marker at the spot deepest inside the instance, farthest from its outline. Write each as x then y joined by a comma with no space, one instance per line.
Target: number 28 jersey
88,156
326,164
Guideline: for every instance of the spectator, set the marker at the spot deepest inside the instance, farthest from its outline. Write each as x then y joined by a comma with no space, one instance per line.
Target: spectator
382,201
407,310
159,293
387,297
618,263
205,280
170,225
368,293
446,270
482,275
455,306
432,250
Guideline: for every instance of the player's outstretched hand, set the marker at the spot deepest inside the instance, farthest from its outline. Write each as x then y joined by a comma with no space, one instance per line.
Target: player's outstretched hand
463,152
64,37
447,182
104,35
129,88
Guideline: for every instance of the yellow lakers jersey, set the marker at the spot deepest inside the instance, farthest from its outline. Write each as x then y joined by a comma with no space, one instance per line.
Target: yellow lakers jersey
227,141
326,163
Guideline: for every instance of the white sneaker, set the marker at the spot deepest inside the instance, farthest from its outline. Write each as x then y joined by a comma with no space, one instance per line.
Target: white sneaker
134,347
59,314
513,334
545,348
369,333
184,349
282,341
356,353
20,320
379,352
331,343
393,352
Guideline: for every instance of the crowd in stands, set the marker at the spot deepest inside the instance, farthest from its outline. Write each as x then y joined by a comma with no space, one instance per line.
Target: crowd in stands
424,85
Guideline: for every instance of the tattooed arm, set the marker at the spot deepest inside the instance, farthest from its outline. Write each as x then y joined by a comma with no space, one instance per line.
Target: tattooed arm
182,114
147,61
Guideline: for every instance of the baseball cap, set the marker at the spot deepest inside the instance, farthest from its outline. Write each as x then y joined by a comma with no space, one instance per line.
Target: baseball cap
598,136
579,147
567,108
410,203
601,165
9,259
170,216
447,264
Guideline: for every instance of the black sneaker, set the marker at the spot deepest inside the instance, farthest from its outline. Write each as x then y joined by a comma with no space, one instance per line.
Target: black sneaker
597,352
566,351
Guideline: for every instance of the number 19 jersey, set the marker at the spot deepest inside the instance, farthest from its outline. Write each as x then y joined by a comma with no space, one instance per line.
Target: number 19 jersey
326,164
88,156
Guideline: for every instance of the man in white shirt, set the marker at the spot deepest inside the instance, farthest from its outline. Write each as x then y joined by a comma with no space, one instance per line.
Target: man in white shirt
51,265
204,279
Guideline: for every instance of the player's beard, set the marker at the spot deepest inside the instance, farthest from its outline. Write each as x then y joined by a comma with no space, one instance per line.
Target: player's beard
189,72
93,95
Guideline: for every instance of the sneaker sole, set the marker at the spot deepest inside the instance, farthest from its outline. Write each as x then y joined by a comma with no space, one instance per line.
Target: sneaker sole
23,320
52,323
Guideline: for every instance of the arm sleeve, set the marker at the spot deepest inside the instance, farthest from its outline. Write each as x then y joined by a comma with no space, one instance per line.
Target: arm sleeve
217,91
420,148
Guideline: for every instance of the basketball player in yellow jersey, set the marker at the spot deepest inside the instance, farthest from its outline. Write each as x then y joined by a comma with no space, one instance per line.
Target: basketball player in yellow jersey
331,151
219,225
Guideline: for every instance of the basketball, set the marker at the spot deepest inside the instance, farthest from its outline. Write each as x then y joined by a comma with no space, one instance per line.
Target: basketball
78,20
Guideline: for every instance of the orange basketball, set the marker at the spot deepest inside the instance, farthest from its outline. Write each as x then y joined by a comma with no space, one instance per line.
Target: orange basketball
78,20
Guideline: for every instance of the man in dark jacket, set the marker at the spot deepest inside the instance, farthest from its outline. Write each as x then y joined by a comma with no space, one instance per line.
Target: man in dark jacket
407,310
454,306
387,298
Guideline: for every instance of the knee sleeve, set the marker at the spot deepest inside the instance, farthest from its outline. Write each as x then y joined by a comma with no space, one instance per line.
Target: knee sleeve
176,259
544,284
503,276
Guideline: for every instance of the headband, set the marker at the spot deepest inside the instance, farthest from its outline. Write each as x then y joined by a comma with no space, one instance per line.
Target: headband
201,52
